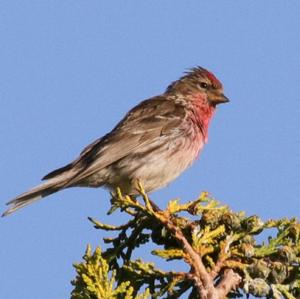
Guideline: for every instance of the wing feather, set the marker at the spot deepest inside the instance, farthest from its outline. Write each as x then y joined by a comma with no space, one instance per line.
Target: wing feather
140,127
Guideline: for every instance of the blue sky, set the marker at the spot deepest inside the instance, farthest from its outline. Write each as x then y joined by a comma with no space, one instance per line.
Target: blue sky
71,69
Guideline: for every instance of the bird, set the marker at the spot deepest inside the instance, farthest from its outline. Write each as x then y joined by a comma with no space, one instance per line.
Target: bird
153,144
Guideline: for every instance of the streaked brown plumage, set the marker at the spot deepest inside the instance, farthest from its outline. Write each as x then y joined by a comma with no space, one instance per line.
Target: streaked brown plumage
156,141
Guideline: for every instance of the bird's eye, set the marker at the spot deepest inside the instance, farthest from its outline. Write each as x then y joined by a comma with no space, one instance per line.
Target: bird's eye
204,85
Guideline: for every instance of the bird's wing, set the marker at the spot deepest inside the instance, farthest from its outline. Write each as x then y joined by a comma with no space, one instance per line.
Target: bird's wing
142,126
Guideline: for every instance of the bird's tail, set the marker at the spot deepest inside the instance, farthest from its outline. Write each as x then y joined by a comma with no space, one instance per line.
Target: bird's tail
40,191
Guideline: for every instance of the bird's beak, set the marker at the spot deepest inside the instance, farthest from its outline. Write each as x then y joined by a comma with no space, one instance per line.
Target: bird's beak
219,99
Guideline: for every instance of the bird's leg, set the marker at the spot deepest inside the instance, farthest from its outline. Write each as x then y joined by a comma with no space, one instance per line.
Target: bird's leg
153,205
140,189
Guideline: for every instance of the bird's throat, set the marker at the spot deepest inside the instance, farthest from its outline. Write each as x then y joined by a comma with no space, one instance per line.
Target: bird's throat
202,115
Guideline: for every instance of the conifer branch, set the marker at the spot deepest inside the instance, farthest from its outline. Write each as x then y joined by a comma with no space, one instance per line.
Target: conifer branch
219,246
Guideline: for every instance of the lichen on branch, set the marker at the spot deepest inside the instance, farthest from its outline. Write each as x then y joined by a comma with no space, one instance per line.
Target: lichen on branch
219,246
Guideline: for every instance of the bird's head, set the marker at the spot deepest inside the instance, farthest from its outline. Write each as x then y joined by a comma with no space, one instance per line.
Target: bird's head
199,82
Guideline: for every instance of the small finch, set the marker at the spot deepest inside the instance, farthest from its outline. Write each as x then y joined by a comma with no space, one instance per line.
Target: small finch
154,143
